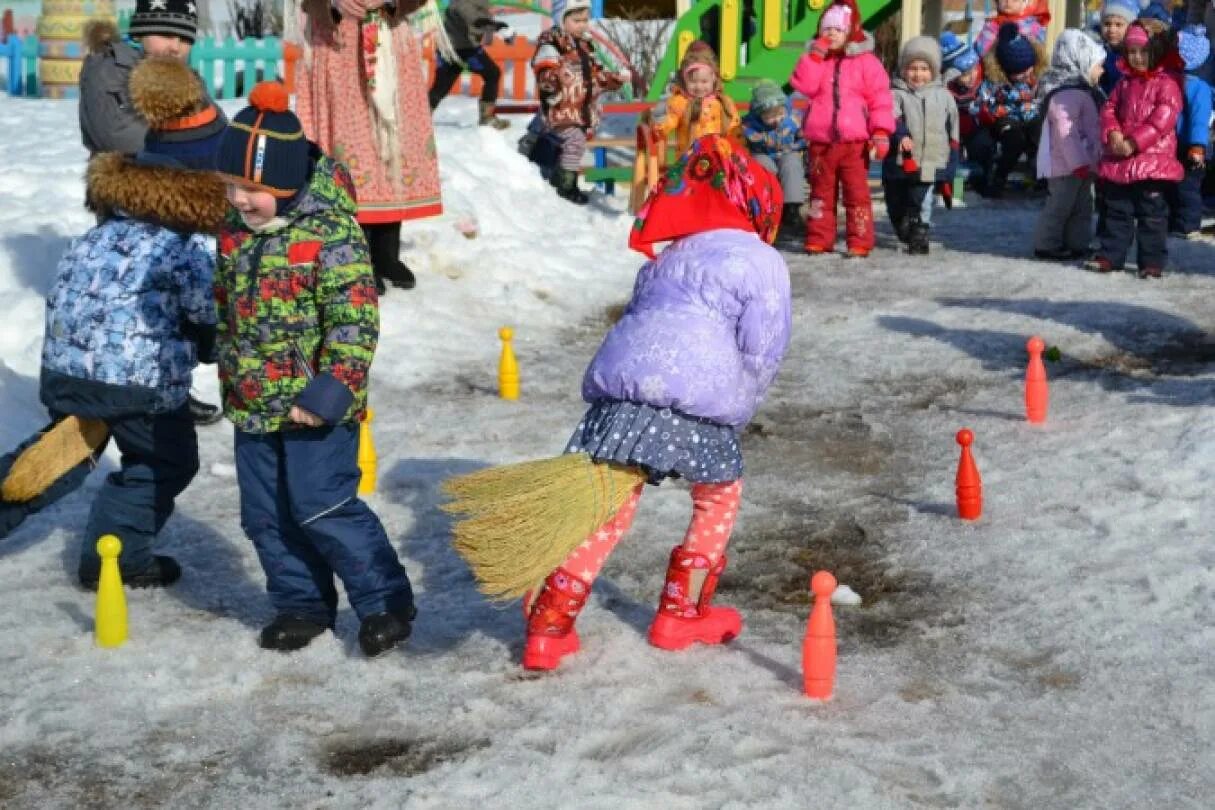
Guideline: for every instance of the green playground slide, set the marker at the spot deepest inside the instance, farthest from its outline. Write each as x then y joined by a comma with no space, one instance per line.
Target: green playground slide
796,27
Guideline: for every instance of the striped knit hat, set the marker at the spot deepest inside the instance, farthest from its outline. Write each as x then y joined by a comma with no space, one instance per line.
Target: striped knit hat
265,146
166,18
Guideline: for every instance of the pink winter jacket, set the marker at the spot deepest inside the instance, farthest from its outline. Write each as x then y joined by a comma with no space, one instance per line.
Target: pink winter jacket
1144,107
849,95
1071,133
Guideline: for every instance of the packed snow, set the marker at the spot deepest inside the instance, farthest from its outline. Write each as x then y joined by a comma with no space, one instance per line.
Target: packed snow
1054,654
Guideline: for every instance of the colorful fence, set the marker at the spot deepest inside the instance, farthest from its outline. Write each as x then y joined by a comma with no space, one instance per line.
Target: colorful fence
229,68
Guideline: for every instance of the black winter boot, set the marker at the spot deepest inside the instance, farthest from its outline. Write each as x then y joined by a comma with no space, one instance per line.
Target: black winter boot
917,237
162,573
289,633
380,632
902,228
790,218
566,183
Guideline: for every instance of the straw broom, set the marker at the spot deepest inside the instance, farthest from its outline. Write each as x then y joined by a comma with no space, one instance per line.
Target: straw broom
518,522
56,452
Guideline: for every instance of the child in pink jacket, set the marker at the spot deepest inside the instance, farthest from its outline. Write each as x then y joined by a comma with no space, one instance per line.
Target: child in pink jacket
1070,146
1139,162
849,119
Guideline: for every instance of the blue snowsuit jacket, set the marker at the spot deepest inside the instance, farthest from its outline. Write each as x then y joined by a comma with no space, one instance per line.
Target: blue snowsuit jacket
130,313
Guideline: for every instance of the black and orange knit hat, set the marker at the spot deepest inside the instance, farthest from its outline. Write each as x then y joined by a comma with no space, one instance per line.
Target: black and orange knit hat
184,127
264,145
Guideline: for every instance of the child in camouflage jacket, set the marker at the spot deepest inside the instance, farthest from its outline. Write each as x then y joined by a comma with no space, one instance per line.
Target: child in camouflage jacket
298,326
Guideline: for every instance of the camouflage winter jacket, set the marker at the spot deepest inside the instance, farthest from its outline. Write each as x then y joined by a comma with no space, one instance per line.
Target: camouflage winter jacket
298,313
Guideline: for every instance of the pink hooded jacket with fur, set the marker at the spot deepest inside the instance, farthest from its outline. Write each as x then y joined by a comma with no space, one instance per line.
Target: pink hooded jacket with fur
849,95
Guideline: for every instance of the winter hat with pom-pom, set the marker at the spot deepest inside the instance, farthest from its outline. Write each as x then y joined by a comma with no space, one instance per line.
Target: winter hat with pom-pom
184,127
1193,46
1014,52
956,54
264,146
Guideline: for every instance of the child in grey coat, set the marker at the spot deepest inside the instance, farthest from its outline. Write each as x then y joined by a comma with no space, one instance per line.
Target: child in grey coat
925,142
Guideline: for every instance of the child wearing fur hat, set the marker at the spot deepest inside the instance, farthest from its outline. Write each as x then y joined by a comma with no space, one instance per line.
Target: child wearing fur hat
109,121
698,104
849,121
672,385
1139,158
569,81
926,142
298,326
775,139
1029,17
1193,132
1007,108
1070,146
128,317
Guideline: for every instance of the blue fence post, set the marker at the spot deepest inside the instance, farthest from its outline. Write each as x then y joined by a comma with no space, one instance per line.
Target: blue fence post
11,51
29,54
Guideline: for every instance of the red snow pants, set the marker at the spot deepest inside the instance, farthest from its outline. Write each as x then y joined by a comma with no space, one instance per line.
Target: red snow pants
831,165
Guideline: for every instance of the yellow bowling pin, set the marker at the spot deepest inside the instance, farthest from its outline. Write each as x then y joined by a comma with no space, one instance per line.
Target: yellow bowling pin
367,457
508,368
111,619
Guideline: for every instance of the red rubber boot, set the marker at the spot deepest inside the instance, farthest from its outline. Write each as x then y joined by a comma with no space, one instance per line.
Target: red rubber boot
550,624
684,613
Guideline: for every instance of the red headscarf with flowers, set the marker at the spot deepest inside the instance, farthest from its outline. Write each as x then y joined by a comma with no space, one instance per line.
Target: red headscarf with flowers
715,184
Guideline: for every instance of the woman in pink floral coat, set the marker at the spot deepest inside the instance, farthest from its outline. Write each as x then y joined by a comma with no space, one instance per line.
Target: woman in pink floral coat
362,99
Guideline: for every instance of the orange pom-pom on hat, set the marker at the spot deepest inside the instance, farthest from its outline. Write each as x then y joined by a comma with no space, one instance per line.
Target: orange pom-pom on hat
270,97
265,144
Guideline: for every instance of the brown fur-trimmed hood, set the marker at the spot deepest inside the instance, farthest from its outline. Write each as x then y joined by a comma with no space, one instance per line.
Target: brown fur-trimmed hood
994,73
100,35
187,201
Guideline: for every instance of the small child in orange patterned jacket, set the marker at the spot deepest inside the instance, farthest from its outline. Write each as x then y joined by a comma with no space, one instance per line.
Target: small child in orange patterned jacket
698,104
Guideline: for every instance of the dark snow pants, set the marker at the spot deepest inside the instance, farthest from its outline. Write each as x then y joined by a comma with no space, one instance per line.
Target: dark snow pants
1136,212
159,459
299,505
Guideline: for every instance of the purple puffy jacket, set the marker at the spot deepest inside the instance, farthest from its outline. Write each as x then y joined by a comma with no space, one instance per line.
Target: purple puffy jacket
704,332
1143,107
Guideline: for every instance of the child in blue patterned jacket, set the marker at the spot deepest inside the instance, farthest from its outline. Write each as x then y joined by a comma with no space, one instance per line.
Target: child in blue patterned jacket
129,316
775,139
1008,110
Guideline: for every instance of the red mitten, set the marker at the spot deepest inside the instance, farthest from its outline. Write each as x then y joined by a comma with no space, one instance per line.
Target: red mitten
1081,172
819,49
1001,111
879,145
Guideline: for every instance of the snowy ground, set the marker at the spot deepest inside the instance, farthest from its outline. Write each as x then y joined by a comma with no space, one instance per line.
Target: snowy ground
1050,655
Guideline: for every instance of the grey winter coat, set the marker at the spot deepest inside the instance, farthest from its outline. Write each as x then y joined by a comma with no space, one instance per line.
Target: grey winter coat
930,116
108,121
467,21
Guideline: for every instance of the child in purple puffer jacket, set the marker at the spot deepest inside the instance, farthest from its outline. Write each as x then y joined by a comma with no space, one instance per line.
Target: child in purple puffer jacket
675,380
1139,164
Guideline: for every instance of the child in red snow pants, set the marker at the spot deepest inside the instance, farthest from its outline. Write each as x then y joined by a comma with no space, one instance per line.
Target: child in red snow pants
829,166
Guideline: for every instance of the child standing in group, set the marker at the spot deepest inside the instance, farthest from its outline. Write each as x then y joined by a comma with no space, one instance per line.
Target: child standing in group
673,384
128,316
298,326
1070,146
849,120
926,140
775,139
569,80
698,104
1139,135
1116,15
962,72
1008,110
1029,17
1193,133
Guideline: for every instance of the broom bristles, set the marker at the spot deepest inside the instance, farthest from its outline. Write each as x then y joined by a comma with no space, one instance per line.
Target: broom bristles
55,453
519,522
